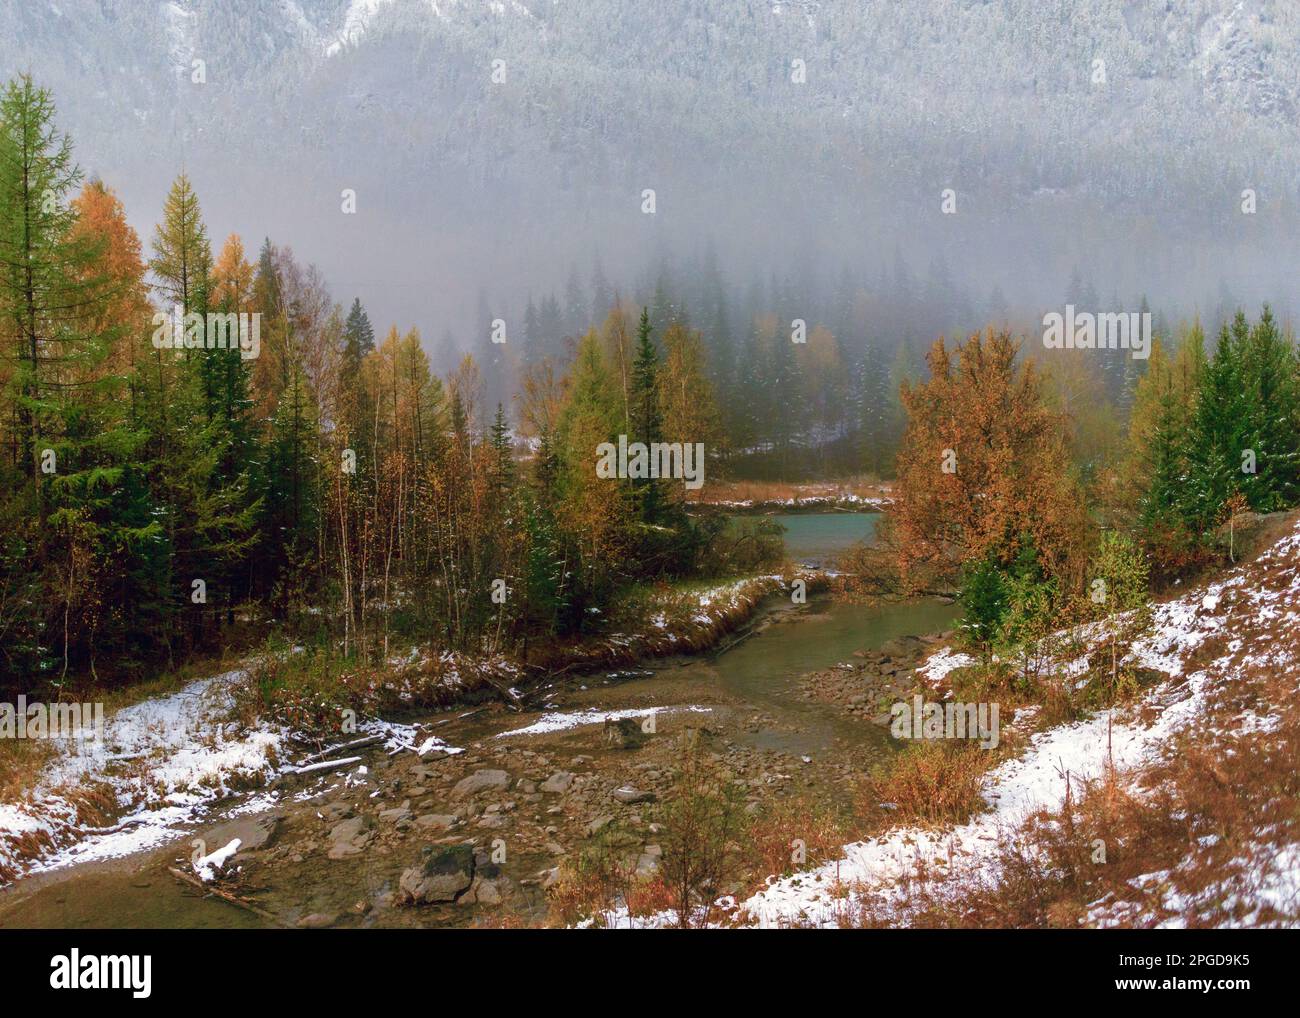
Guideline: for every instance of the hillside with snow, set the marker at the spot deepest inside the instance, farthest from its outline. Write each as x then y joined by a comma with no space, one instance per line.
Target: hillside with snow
1230,654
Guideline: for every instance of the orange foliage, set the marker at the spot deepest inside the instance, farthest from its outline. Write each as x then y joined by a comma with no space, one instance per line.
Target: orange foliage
983,460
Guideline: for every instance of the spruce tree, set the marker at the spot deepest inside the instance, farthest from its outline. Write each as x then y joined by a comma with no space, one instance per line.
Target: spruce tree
72,450
357,409
647,418
1272,431
503,464
1218,431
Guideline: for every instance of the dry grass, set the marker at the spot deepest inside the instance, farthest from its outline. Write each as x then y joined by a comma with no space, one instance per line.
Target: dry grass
90,806
931,782
21,761
788,828
1190,839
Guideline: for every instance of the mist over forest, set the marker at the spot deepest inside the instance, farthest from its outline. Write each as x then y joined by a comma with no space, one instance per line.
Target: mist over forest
473,193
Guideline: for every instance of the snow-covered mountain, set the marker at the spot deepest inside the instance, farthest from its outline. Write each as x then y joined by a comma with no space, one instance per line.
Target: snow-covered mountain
481,134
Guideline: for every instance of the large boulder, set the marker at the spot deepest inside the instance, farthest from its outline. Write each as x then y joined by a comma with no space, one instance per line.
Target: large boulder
444,874
436,821
350,837
481,781
629,796
624,733
253,832
558,783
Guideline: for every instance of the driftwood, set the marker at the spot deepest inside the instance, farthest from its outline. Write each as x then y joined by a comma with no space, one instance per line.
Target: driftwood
324,765
224,895
511,698
368,740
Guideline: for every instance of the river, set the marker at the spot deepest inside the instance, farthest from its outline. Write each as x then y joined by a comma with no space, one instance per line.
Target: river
760,672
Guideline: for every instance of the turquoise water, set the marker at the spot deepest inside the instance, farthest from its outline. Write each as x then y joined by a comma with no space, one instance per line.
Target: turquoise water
815,539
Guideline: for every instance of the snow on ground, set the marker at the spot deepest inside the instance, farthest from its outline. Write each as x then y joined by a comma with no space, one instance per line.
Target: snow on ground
398,737
1015,790
209,866
167,762
936,667
879,868
164,760
1018,788
562,721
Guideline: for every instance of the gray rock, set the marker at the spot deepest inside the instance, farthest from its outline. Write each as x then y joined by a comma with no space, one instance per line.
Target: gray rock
253,832
558,783
629,795
350,830
436,821
481,781
350,837
444,874
332,811
597,825
625,733
484,892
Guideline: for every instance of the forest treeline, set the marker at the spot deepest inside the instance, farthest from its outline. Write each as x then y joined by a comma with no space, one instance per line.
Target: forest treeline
1002,495
154,499
323,478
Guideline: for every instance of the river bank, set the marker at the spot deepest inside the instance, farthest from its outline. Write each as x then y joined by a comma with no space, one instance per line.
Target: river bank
529,791
510,796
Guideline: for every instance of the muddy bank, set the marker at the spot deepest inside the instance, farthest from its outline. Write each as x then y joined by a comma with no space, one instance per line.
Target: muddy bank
448,839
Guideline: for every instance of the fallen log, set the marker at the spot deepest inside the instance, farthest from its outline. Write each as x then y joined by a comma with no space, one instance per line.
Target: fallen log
224,895
324,765
367,740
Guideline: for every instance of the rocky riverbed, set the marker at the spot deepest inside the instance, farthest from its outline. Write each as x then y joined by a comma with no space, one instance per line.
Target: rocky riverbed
868,684
468,816
480,835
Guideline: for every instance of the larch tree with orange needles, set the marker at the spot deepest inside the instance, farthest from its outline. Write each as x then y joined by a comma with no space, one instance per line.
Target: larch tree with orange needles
983,463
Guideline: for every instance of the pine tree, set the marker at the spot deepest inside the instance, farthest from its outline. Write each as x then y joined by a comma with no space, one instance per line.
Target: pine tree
1218,430
182,260
503,463
550,327
1272,432
290,512
357,410
534,346
686,401
200,421
590,510
647,418
873,411
71,443
46,283
577,316
602,295
984,600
